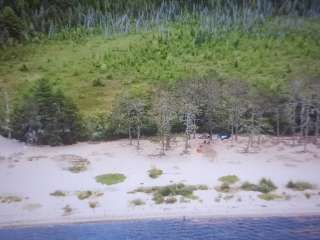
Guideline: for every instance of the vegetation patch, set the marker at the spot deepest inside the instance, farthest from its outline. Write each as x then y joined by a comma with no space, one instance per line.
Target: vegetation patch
299,186
269,196
58,193
137,202
264,186
67,210
93,204
229,179
79,166
10,199
84,195
155,173
110,179
165,194
224,187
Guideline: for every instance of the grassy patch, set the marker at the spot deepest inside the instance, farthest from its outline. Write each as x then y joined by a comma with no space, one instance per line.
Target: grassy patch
264,186
137,202
84,195
10,199
110,179
58,193
269,196
229,179
164,194
299,186
78,167
155,173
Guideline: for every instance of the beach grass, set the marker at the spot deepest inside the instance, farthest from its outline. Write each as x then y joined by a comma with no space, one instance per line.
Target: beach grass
58,193
299,185
229,179
111,178
264,186
155,173
137,202
269,196
164,194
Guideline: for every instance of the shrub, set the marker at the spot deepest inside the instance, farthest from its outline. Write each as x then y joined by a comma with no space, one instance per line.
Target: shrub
264,186
223,188
269,196
84,195
110,179
229,179
299,186
45,116
58,193
155,173
93,204
137,202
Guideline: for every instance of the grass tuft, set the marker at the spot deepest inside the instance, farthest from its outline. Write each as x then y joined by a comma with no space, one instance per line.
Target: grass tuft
264,186
110,179
299,186
269,196
155,173
58,193
137,202
229,179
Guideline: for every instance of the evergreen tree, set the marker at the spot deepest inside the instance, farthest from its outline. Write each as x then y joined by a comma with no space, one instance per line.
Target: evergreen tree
45,116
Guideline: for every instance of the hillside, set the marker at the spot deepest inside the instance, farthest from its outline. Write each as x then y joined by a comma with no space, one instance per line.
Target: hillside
93,69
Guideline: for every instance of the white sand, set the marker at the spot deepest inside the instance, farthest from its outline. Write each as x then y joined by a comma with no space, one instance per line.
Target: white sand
35,180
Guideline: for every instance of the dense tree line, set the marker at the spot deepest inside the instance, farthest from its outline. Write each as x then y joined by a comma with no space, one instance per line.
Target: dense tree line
210,104
27,19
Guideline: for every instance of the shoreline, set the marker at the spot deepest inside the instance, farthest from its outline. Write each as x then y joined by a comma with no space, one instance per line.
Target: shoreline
187,216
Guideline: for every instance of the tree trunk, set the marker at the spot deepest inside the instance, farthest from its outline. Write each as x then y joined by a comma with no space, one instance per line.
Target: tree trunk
317,122
186,146
278,126
130,134
8,120
167,141
138,137
306,133
162,142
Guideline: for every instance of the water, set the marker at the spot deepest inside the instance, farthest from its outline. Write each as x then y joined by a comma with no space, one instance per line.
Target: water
304,228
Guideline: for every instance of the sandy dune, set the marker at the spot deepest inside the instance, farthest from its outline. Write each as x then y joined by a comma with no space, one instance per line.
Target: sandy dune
32,173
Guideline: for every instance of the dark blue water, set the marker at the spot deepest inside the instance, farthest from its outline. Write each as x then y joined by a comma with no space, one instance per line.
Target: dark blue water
304,228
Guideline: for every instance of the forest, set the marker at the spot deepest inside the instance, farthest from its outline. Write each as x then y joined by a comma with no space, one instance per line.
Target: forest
97,70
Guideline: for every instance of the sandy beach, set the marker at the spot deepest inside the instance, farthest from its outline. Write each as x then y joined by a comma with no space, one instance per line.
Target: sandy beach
29,175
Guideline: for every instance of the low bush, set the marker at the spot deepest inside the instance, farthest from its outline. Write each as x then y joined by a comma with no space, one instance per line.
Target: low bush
229,179
264,186
84,195
162,194
299,186
137,202
269,196
58,193
110,179
155,173
223,188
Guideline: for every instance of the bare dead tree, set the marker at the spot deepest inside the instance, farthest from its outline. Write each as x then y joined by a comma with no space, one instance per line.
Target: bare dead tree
236,93
164,113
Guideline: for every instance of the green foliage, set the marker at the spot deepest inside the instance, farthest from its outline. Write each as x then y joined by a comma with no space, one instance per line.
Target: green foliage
110,179
155,172
167,194
229,179
269,196
137,202
84,195
58,193
46,116
264,186
10,25
299,186
223,188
